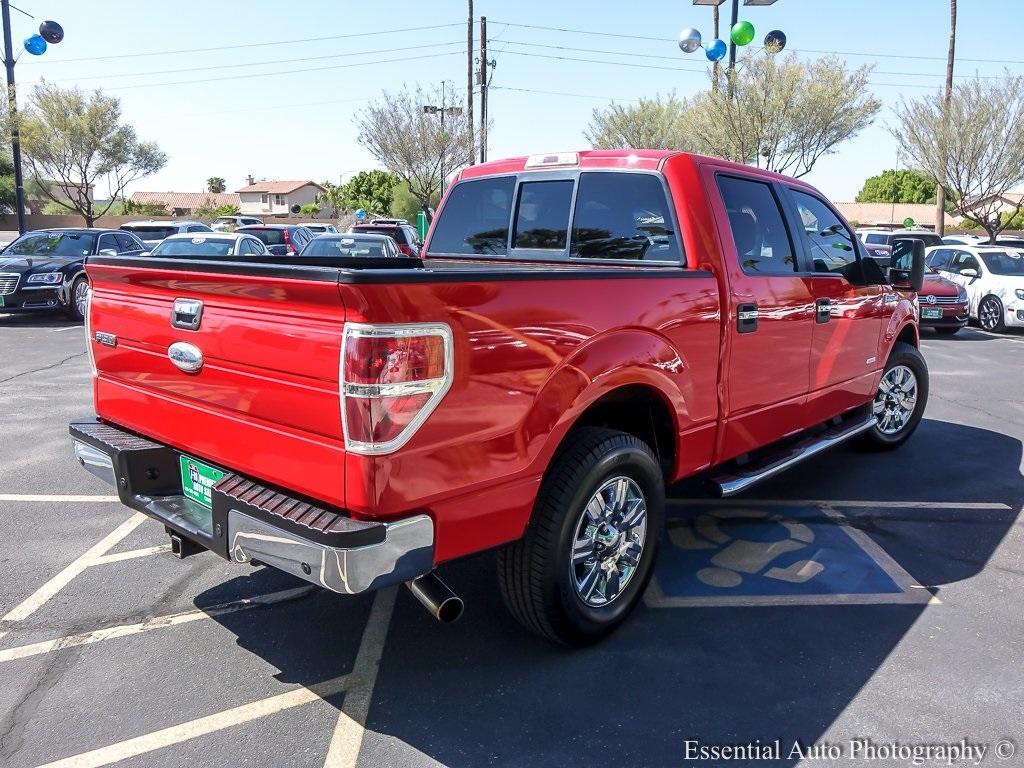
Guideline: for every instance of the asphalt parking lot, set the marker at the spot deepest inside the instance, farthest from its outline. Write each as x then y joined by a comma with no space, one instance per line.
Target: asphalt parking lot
860,596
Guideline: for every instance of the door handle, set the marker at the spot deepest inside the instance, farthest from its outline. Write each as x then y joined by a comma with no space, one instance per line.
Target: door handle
822,310
746,318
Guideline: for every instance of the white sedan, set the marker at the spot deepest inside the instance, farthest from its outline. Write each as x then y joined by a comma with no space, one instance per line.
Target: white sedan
993,278
210,245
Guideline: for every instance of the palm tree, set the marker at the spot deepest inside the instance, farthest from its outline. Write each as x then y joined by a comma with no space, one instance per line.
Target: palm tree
333,197
215,184
940,195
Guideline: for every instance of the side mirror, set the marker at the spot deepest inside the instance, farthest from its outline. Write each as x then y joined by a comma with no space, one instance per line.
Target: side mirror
971,273
906,269
107,252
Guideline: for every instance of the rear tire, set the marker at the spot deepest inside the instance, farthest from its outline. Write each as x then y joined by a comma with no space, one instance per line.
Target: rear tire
900,401
589,548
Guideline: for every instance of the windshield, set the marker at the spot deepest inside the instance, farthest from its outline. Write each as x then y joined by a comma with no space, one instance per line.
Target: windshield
196,246
1004,262
151,232
363,247
52,244
268,236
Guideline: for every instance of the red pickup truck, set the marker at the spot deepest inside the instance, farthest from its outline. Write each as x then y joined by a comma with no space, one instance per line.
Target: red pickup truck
582,329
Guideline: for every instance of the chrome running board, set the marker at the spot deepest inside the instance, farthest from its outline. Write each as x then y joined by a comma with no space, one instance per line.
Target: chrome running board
731,483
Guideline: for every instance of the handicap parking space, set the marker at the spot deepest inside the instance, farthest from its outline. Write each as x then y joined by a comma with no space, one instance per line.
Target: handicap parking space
858,595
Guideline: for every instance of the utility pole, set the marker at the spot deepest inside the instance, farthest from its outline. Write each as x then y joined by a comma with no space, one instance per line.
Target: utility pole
716,68
731,74
12,111
940,191
469,68
483,89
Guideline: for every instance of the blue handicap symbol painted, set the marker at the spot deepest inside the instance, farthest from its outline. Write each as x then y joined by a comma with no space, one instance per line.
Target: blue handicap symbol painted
777,551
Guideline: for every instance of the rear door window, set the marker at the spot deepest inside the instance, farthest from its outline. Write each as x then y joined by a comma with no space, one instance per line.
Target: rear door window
542,215
474,219
623,216
759,232
877,239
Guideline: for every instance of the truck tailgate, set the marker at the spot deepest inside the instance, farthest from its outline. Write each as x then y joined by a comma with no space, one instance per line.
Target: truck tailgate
265,402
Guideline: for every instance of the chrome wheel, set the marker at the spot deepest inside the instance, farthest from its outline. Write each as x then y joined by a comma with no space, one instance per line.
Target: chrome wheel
608,541
989,313
896,399
81,296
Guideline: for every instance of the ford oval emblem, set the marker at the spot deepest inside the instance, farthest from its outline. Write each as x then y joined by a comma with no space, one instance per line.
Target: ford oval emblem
187,357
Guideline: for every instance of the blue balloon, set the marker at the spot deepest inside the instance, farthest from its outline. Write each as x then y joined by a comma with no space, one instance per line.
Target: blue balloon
361,214
35,45
717,50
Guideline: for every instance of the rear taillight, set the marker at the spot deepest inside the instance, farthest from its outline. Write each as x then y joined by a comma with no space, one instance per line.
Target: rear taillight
392,377
88,331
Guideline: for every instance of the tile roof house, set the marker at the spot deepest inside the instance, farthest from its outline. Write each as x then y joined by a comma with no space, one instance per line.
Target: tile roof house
893,214
186,203
276,198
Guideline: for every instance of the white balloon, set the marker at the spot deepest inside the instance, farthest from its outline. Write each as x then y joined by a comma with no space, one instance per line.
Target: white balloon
689,40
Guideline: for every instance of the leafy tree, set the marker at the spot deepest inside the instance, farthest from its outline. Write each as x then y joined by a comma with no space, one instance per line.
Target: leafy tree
406,205
898,186
332,197
420,149
974,145
132,208
309,210
783,114
77,140
648,124
8,198
216,184
370,190
208,211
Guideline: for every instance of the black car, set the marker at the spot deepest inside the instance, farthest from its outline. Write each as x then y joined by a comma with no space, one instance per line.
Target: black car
44,269
280,239
404,234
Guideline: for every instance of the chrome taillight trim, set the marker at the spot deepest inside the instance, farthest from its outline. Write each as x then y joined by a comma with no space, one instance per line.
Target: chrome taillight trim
438,387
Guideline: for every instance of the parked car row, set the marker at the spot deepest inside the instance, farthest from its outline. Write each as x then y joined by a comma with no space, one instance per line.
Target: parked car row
969,278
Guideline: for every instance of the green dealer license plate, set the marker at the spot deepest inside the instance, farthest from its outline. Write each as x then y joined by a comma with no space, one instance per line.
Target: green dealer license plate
197,480
931,314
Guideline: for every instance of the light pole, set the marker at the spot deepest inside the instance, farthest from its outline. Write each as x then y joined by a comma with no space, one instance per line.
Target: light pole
49,32
433,109
740,33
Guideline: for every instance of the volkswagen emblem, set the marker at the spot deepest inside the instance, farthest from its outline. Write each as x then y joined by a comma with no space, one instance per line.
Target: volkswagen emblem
187,357
931,299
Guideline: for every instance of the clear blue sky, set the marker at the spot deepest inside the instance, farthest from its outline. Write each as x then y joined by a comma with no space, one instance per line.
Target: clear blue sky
278,123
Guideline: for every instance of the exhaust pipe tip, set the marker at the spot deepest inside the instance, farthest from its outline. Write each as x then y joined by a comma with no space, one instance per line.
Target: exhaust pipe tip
436,596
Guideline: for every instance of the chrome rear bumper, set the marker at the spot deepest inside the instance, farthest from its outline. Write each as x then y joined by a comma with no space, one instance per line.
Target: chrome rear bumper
249,522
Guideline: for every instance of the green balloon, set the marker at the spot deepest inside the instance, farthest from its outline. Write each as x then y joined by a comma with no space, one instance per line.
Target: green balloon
742,32
908,223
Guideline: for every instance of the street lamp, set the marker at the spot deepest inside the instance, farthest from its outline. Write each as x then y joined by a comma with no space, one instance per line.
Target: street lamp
432,109
49,32
740,33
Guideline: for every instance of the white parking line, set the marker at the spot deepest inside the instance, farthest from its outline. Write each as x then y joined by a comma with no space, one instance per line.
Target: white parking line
131,554
67,328
156,622
347,738
56,497
358,686
842,503
32,603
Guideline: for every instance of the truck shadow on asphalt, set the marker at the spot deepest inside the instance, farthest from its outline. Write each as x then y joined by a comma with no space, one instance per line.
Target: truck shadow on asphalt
483,691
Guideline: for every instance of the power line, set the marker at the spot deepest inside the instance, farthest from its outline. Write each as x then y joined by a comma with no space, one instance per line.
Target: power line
262,63
595,33
249,45
562,93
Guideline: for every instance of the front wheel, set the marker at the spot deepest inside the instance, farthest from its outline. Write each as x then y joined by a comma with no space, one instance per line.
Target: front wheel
900,400
589,549
990,315
78,297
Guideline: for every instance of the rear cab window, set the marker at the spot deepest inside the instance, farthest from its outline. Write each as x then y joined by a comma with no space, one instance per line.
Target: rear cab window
593,215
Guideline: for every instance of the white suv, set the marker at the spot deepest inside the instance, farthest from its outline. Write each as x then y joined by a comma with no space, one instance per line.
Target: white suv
993,278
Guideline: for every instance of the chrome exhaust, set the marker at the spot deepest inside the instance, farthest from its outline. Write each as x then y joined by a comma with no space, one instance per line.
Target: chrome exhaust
443,604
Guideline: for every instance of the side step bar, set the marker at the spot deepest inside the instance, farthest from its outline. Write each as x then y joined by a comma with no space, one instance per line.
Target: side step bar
731,483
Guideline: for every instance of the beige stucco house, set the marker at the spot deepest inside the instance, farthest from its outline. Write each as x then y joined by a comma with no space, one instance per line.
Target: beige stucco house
276,198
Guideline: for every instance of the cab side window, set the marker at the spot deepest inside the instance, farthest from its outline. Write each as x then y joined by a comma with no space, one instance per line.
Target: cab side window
940,259
963,260
759,231
829,241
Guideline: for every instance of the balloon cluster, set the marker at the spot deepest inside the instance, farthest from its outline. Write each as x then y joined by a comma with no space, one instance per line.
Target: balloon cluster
742,33
49,32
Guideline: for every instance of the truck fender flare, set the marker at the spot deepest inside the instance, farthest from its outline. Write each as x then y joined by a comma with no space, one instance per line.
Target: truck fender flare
620,359
901,326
